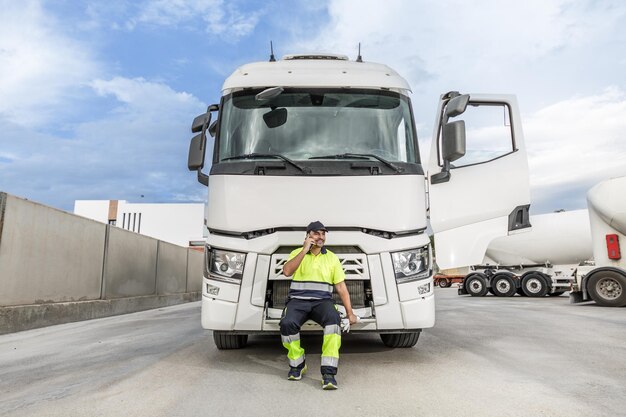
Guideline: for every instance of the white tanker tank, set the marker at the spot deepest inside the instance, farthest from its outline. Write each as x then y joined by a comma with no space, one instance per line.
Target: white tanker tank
560,238
535,263
605,283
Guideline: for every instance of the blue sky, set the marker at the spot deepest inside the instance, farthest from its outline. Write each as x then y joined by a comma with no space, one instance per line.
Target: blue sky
96,98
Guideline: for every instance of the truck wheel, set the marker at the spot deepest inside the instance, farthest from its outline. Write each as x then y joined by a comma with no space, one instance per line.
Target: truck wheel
534,285
444,283
520,291
475,285
503,285
226,340
556,294
608,288
400,340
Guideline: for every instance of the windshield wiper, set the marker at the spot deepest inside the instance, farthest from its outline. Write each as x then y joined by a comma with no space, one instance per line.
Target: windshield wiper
360,156
268,155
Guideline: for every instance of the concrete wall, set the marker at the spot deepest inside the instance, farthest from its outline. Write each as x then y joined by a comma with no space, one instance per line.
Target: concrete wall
48,256
194,270
171,274
130,264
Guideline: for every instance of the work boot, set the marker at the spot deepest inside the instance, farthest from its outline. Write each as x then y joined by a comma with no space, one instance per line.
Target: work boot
295,374
329,382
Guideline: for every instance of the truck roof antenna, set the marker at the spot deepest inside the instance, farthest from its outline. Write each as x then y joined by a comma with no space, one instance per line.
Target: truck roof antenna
272,58
359,58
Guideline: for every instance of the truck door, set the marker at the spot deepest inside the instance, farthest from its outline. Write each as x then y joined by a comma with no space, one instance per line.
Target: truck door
478,176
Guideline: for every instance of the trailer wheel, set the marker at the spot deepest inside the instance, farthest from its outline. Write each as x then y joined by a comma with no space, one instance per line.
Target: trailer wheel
607,288
226,340
400,340
444,283
503,285
534,285
475,285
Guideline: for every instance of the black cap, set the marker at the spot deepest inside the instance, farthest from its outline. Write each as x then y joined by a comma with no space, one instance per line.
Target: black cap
316,225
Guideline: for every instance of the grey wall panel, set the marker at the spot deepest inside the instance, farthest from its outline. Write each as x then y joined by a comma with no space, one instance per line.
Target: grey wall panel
130,264
48,255
194,270
171,269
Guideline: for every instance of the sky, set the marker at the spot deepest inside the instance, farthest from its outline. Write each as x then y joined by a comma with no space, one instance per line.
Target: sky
97,98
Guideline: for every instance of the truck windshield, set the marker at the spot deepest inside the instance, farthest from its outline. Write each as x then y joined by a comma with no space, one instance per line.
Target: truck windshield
314,124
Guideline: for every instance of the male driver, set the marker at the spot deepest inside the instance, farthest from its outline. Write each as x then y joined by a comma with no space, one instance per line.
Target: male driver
315,270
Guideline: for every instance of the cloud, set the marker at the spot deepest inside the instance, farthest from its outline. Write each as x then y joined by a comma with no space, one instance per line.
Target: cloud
574,144
137,148
41,69
225,20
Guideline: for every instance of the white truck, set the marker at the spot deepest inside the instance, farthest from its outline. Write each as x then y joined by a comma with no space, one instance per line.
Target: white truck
605,283
537,263
321,137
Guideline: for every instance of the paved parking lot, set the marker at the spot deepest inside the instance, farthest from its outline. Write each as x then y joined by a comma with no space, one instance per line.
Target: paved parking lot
485,357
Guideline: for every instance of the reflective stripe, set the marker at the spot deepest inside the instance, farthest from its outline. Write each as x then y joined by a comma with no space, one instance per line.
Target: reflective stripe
302,297
296,362
332,329
289,339
330,361
314,286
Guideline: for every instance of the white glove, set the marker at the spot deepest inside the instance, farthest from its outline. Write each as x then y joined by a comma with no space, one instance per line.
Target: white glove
345,324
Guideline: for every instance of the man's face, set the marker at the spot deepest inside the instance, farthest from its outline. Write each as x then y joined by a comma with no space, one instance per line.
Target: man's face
319,236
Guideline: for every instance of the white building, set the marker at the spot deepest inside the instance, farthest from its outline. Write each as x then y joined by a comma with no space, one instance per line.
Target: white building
181,224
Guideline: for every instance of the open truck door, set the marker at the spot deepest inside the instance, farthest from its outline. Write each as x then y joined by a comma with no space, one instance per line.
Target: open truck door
478,176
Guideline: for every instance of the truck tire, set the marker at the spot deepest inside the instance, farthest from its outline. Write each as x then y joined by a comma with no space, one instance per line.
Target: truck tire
607,288
226,340
535,285
400,340
444,283
503,285
475,285
520,292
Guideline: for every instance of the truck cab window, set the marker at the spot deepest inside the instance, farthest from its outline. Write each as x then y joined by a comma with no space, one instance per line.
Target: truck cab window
318,123
488,133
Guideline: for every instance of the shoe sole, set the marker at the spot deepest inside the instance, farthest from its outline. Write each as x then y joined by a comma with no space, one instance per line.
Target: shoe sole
329,387
298,378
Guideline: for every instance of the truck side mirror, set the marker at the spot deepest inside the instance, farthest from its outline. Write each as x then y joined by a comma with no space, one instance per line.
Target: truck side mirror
453,140
196,152
452,148
457,105
204,118
197,147
195,161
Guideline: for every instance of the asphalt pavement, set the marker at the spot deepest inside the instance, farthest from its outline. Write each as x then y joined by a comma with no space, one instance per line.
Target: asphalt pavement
485,356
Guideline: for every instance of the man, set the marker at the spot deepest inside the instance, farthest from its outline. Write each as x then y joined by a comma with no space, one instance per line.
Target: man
315,270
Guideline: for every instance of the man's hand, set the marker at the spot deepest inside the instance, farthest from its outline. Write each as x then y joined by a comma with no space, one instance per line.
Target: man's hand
308,243
353,319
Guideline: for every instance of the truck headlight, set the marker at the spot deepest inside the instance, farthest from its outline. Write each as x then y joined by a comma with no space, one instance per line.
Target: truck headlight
225,265
411,265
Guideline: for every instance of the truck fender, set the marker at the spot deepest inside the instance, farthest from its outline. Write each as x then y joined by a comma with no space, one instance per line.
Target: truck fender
591,273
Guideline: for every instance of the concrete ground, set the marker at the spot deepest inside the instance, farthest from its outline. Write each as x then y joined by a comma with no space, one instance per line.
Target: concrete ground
485,357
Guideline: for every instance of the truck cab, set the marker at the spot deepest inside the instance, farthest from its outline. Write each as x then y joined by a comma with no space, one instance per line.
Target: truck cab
320,137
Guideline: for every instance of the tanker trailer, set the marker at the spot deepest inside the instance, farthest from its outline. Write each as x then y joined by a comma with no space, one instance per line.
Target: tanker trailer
534,263
605,283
